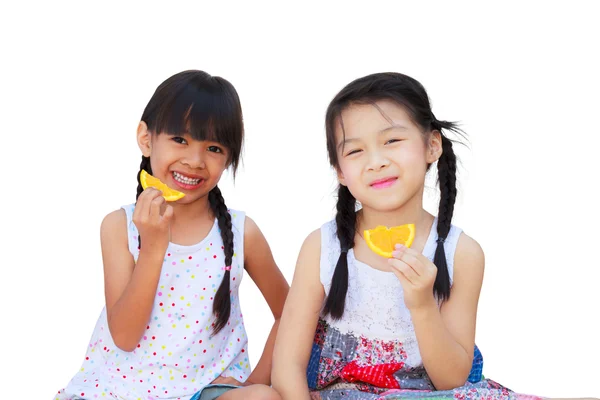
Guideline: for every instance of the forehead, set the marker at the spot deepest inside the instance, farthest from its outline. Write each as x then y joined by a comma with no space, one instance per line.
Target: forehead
366,119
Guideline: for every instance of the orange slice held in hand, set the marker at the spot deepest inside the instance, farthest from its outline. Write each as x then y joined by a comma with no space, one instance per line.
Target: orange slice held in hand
383,239
169,194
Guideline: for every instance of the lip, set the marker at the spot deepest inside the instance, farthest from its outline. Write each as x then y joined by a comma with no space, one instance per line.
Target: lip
192,176
384,182
185,185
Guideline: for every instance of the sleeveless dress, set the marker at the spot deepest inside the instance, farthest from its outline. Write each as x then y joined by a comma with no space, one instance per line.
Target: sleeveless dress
372,351
176,356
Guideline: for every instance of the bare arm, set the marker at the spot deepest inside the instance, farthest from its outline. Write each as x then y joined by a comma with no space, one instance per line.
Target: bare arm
446,338
264,272
298,323
130,288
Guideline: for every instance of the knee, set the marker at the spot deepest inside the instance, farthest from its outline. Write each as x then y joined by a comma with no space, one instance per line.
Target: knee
263,392
252,392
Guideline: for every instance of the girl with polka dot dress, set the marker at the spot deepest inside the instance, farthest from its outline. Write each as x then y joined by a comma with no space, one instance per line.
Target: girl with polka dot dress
172,327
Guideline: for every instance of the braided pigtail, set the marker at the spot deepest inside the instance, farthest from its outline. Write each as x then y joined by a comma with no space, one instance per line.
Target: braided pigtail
346,228
447,182
222,304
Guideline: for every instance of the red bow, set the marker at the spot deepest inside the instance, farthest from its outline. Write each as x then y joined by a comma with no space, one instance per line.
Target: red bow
381,375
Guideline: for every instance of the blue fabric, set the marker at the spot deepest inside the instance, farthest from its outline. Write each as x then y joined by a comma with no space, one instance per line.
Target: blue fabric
476,374
313,366
211,392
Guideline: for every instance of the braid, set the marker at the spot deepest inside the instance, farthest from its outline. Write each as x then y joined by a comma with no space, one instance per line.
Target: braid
222,304
346,228
144,165
447,183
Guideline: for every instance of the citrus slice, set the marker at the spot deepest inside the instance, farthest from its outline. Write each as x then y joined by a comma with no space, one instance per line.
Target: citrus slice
169,194
383,239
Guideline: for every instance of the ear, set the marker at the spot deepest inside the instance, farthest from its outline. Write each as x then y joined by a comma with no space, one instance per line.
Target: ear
434,147
144,139
340,177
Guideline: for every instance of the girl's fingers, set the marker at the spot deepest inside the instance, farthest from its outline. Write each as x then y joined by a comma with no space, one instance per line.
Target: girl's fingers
404,271
155,206
168,214
419,263
410,259
142,207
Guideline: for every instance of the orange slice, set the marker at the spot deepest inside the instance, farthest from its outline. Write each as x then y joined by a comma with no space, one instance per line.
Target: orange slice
383,239
169,194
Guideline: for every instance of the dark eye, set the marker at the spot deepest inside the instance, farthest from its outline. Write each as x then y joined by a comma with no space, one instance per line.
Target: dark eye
179,139
392,141
215,149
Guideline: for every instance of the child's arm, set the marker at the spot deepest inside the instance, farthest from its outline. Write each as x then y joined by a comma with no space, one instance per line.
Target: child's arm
130,288
261,267
446,337
298,323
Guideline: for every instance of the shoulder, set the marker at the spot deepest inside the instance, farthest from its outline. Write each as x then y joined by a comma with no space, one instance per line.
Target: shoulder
307,268
113,230
251,229
114,222
310,253
469,259
313,240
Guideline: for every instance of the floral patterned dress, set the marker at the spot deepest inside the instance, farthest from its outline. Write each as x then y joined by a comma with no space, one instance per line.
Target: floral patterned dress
372,351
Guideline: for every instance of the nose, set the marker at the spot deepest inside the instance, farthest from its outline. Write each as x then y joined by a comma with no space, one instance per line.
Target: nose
194,159
377,161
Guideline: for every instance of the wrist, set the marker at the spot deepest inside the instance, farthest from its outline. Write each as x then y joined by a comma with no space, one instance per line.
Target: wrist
425,310
152,253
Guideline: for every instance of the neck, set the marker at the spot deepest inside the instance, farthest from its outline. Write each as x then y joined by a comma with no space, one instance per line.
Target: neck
411,212
199,209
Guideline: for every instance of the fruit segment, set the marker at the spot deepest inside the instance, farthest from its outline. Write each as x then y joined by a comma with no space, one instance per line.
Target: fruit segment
383,239
169,194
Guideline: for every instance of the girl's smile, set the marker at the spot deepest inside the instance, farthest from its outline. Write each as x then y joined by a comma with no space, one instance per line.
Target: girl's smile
187,181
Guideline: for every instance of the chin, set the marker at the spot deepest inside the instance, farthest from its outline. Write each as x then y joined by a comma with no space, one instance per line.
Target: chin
385,205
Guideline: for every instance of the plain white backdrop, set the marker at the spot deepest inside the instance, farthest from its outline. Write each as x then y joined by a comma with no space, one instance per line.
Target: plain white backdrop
522,78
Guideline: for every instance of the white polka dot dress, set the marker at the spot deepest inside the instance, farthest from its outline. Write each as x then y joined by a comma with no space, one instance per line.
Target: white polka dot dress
176,356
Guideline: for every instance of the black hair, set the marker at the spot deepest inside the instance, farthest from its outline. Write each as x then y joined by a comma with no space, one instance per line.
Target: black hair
411,95
207,108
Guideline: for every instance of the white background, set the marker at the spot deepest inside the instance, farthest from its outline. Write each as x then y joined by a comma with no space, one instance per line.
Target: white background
522,78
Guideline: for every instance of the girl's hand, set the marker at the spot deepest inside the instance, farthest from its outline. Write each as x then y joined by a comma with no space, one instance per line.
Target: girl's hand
416,274
152,217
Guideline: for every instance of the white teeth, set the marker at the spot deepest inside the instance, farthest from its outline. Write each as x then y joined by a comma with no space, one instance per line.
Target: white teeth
184,179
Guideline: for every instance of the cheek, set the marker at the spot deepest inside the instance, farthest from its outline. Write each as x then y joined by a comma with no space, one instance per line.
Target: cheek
415,157
350,171
216,164
157,162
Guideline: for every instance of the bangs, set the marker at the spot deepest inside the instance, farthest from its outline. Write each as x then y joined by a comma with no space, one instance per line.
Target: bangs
206,108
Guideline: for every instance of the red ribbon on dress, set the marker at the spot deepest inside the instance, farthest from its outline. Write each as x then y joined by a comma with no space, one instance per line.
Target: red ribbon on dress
381,375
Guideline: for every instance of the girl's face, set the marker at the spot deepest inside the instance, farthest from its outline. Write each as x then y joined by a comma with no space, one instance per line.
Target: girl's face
183,163
384,156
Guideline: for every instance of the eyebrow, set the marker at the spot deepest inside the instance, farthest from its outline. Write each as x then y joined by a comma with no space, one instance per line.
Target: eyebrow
381,132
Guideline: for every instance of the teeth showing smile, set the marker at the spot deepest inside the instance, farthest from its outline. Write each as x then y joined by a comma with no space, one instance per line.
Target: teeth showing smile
185,180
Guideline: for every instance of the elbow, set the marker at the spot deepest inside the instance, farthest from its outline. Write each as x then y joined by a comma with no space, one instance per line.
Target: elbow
452,382
126,347
122,341
278,377
124,344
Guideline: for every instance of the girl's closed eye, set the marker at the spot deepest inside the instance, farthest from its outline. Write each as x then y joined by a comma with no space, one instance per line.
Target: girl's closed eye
352,152
393,141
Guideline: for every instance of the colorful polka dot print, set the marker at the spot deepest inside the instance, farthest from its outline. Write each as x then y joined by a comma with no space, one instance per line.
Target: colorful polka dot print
177,356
